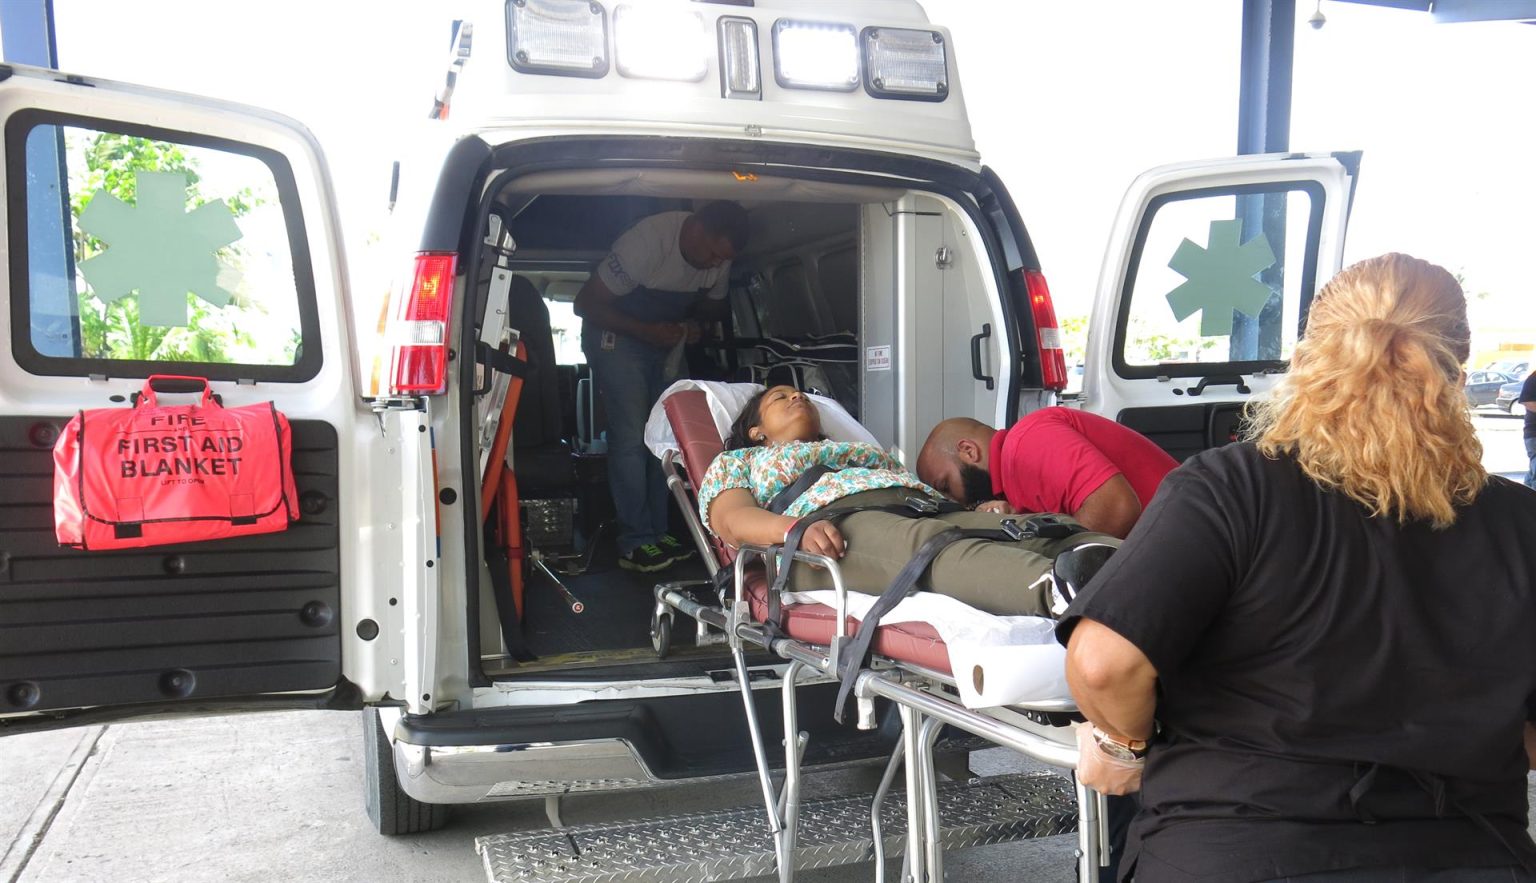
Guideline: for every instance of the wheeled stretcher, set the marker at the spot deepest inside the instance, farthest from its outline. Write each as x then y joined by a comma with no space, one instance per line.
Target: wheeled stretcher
910,666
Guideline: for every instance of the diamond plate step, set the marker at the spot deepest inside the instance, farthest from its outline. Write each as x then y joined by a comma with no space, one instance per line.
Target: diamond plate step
734,843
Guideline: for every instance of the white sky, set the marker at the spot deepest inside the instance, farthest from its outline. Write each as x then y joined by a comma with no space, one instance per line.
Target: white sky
1068,101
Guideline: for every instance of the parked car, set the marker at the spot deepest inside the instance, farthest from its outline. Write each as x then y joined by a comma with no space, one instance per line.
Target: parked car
1483,387
1515,370
1509,398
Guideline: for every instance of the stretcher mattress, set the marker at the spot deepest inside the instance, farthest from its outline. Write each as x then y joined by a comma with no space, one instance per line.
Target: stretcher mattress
917,643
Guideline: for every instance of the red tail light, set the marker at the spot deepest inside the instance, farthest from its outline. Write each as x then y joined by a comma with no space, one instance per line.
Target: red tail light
1053,360
419,332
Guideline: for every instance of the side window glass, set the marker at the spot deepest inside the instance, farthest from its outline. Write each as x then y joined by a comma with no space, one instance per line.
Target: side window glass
1220,281
156,252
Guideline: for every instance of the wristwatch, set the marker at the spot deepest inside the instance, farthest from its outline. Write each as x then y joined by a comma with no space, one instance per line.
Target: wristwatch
1130,751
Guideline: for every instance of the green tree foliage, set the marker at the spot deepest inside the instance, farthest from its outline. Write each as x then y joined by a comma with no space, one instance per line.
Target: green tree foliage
112,330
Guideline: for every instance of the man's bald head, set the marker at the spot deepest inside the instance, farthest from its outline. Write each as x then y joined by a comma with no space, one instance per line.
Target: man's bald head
954,460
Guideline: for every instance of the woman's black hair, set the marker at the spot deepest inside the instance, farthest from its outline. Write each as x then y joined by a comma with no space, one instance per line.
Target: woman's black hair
750,418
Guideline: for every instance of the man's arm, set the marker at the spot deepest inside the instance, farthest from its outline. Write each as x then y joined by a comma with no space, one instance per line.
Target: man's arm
596,304
1112,509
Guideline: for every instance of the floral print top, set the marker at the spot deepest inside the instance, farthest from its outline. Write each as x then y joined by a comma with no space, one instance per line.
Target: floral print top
769,469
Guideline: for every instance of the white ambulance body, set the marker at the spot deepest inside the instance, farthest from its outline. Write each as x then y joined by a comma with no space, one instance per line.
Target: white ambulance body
840,126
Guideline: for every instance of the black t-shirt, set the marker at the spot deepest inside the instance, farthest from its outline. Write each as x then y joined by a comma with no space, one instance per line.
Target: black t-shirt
1307,652
1528,394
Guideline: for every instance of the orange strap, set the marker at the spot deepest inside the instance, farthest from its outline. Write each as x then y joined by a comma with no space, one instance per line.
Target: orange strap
512,536
491,481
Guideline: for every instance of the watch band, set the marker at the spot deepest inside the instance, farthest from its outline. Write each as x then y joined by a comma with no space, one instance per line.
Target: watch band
1131,749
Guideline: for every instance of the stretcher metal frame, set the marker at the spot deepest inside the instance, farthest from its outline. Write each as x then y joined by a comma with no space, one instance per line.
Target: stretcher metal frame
924,699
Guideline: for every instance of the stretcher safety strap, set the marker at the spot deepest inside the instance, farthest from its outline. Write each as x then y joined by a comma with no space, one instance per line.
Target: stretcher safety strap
853,654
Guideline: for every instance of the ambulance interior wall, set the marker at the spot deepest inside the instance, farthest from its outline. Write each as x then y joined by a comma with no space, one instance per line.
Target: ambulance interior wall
924,294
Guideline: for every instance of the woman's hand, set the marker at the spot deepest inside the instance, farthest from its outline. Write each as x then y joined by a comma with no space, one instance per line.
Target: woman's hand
997,507
823,538
1102,773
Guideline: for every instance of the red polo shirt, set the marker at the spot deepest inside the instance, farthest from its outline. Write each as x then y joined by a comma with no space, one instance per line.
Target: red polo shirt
1055,458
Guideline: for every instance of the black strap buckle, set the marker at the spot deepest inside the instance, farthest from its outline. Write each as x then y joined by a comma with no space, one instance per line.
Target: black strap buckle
1011,527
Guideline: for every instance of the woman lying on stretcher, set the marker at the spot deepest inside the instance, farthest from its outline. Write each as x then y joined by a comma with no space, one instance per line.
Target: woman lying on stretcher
777,439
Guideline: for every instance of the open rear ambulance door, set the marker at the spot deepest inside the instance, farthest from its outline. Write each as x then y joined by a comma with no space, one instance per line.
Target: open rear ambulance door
154,233
1205,287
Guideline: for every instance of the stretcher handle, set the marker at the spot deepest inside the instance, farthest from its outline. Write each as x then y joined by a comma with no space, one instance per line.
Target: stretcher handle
175,383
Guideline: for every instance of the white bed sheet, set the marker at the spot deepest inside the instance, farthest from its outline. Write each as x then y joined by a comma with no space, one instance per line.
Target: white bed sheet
1017,657
726,401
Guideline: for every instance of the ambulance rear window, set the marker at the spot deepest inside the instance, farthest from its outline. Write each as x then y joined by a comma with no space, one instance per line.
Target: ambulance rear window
1220,281
137,250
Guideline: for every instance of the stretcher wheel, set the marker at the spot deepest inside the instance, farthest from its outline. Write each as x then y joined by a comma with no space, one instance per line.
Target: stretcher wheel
661,634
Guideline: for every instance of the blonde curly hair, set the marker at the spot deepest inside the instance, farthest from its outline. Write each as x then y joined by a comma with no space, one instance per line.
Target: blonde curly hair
1373,406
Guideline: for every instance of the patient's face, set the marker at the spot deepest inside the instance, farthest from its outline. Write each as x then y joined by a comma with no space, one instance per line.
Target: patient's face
786,415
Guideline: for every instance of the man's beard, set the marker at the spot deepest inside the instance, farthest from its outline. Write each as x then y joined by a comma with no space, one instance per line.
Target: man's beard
976,484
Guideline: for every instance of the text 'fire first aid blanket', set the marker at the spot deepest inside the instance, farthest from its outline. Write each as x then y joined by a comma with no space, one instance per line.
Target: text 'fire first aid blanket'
154,474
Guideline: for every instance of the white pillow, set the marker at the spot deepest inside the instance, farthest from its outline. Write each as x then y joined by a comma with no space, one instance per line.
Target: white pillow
726,401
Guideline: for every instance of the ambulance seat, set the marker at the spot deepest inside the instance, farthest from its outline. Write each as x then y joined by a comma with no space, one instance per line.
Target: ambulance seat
541,456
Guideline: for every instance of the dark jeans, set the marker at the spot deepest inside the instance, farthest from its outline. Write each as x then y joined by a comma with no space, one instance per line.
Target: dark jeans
1530,473
1512,874
630,377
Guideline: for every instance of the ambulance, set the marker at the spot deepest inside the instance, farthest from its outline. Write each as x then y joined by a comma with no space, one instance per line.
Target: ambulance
150,232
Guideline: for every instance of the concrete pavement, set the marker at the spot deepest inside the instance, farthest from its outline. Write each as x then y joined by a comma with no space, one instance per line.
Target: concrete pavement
278,796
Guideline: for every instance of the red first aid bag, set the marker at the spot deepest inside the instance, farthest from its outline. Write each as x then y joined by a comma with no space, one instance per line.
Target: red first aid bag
153,474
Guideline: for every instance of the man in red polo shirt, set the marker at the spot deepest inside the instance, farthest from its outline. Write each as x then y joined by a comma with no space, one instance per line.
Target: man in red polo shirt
1054,460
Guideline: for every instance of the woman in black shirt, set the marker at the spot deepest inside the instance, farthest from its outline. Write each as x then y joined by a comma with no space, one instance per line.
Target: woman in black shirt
1334,624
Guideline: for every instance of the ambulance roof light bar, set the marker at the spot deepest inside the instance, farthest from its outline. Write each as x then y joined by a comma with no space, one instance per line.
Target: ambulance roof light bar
561,37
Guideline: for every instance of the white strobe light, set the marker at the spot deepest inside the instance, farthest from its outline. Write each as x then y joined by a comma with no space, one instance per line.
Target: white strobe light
660,41
815,55
903,63
740,71
565,37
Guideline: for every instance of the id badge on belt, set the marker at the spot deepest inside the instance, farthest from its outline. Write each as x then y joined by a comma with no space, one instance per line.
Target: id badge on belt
609,341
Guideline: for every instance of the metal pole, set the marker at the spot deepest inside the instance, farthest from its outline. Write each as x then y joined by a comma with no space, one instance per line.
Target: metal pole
26,32
911,734
933,844
1264,126
875,825
789,799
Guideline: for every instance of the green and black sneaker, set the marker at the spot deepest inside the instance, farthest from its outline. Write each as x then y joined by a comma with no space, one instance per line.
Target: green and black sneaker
675,548
648,558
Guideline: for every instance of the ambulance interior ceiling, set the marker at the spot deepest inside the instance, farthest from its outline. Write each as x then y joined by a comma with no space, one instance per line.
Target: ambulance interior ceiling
575,216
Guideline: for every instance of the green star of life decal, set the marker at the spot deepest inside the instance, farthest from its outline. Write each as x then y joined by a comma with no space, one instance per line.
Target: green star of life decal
158,248
1219,278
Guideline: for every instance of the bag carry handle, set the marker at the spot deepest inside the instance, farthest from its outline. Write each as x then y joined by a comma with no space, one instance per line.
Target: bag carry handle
174,383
